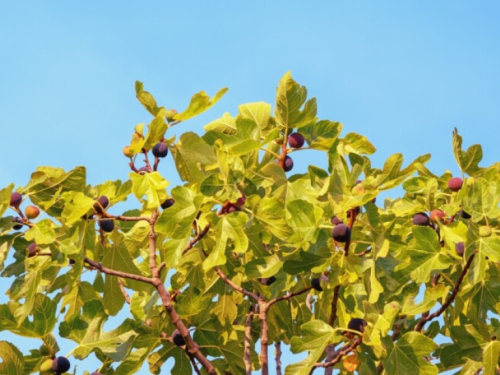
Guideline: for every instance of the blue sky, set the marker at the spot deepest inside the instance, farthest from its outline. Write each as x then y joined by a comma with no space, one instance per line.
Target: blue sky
402,73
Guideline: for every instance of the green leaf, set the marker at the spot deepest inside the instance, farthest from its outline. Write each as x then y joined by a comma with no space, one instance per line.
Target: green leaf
304,262
5,194
317,335
86,329
406,355
303,218
259,112
263,267
228,230
77,205
380,324
358,144
226,124
321,135
192,154
490,357
146,99
42,232
152,185
200,102
225,310
467,161
271,214
290,98
13,362
182,364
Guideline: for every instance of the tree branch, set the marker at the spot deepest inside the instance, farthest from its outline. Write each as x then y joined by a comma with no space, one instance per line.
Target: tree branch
124,292
264,339
196,238
288,296
333,313
426,318
155,272
346,349
236,287
125,275
277,345
248,341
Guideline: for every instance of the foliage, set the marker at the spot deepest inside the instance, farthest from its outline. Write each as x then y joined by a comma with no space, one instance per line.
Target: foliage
228,266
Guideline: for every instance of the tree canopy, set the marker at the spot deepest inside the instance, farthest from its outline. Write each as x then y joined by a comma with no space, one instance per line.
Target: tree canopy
248,254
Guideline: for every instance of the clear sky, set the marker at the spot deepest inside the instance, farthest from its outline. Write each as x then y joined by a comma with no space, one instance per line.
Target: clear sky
402,73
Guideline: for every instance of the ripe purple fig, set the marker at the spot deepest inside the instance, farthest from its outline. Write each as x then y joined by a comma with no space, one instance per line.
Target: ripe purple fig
60,365
177,338
341,233
288,164
460,248
15,199
107,225
336,221
316,284
32,249
160,150
357,324
421,219
101,204
19,221
464,214
455,184
296,140
32,212
168,203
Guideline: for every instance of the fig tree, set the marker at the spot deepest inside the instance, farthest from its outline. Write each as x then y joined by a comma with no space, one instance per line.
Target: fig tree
296,140
107,225
455,184
177,338
460,248
160,150
168,203
421,219
15,199
101,204
32,212
60,365
341,233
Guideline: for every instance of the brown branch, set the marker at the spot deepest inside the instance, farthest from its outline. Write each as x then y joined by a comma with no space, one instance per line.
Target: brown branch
193,362
264,339
288,296
155,165
236,287
277,345
124,292
309,301
125,275
351,224
155,272
146,159
426,318
346,349
196,238
248,342
333,313
124,218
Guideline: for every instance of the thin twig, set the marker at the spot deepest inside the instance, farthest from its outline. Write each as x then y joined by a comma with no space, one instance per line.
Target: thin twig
125,275
124,292
196,238
236,287
341,353
277,345
288,296
424,319
333,313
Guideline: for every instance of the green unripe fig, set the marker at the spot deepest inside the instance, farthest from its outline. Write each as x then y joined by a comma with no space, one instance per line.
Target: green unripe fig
46,366
280,139
169,114
485,231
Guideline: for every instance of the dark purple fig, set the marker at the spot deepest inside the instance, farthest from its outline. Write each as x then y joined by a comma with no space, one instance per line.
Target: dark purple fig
168,203
357,324
107,225
61,365
101,204
356,209
19,221
160,150
288,164
316,284
233,208
455,184
336,221
16,199
71,262
241,200
460,248
464,214
296,140
177,338
270,280
421,219
341,233
32,249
